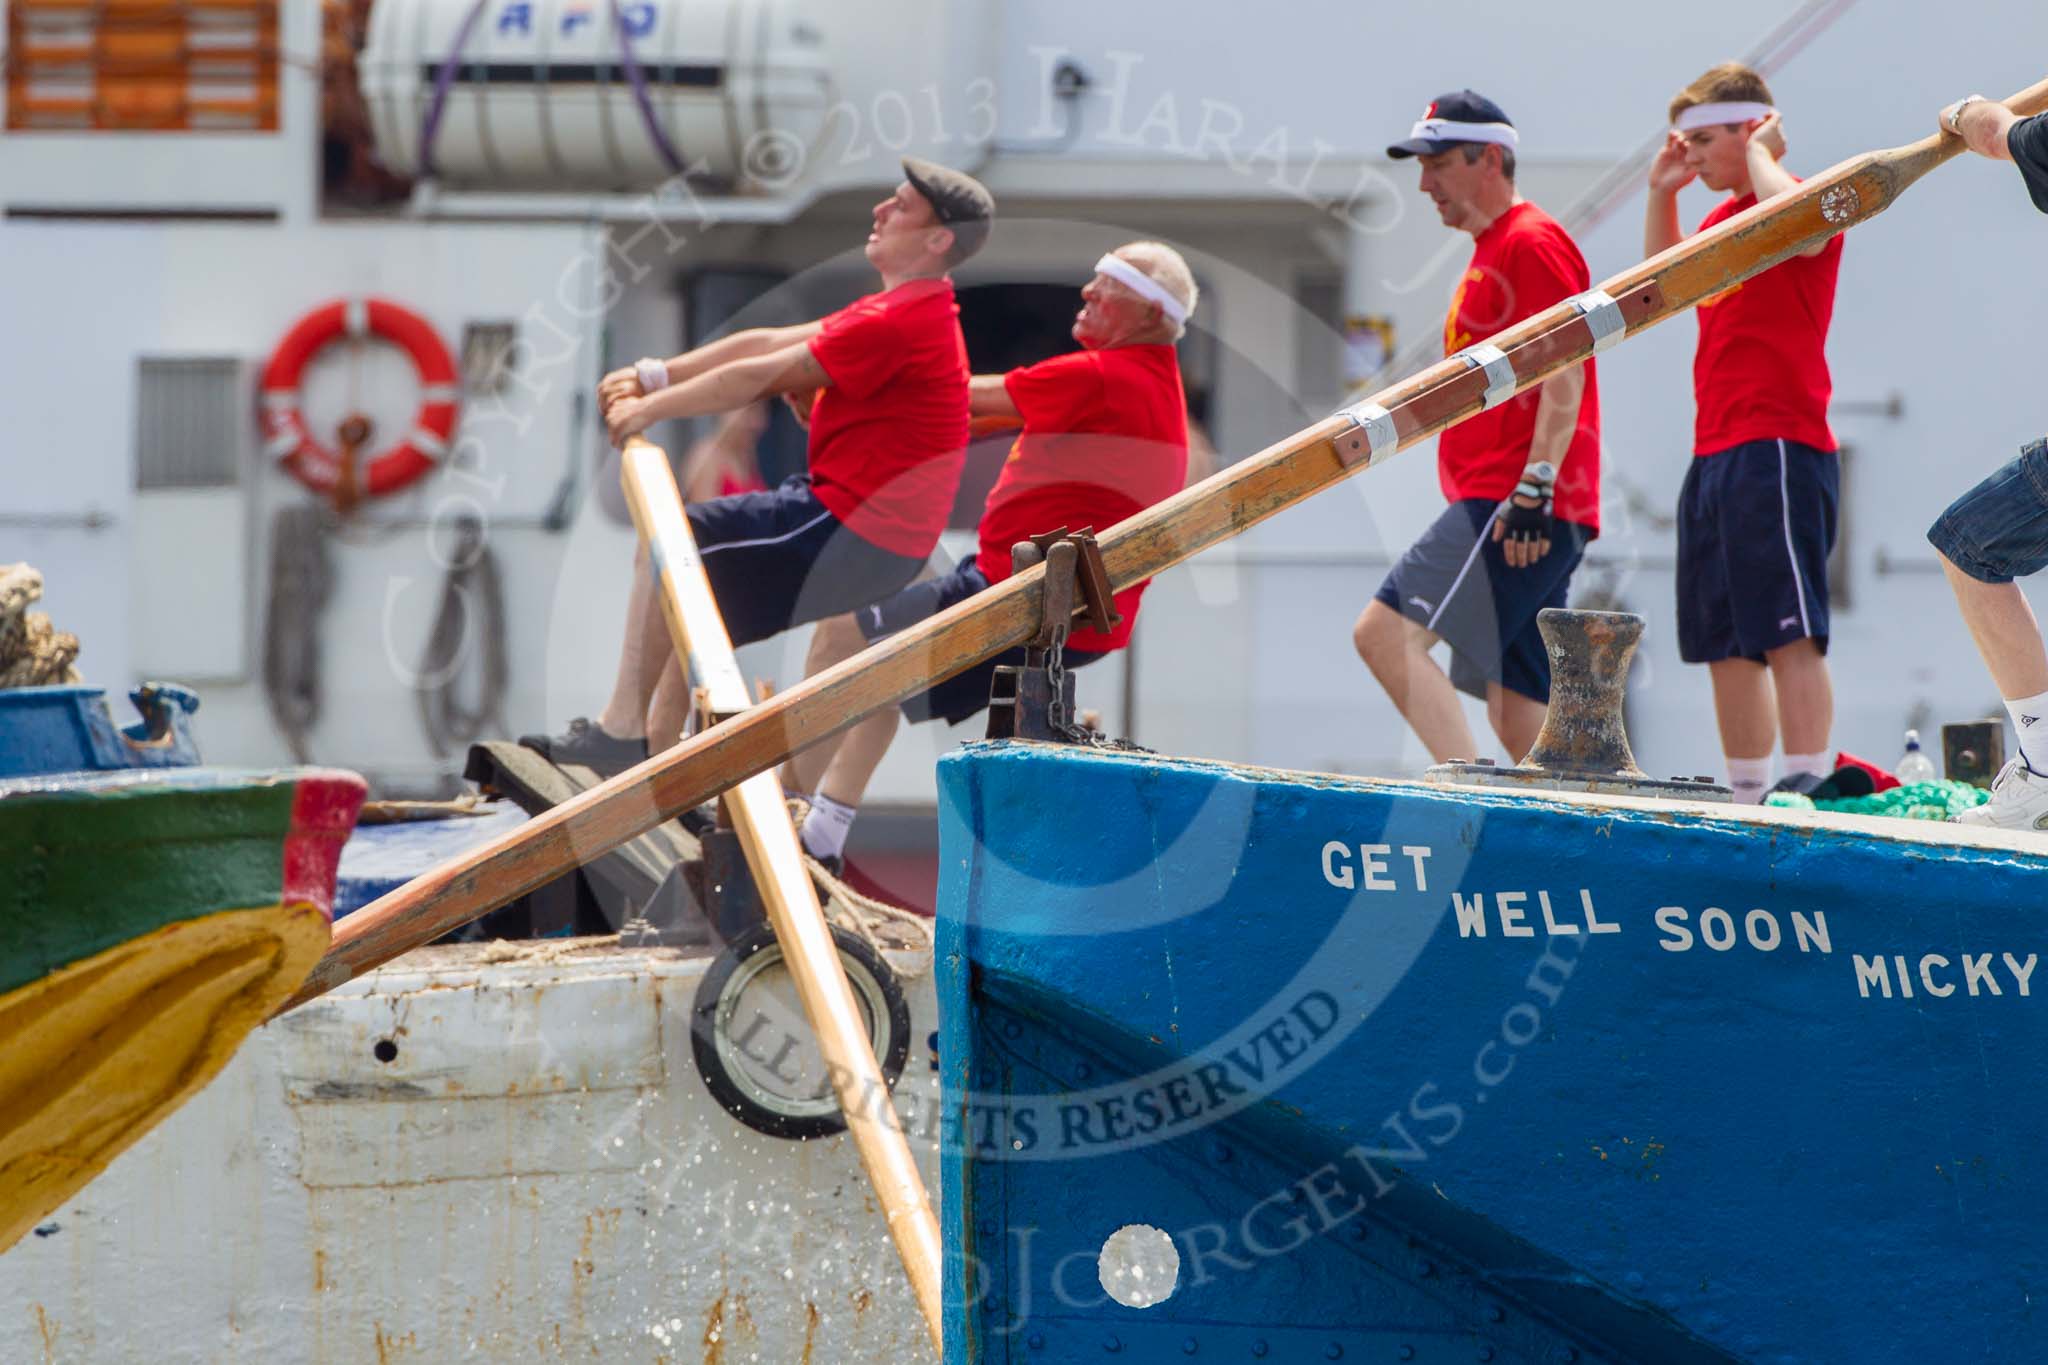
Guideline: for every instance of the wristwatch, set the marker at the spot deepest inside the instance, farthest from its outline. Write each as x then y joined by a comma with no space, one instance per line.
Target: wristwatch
1955,115
1538,478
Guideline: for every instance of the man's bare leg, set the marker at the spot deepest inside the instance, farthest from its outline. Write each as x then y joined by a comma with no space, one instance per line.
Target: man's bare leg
1397,652
1747,714
1805,696
835,771
2002,623
668,711
860,752
2007,635
834,640
1516,719
643,653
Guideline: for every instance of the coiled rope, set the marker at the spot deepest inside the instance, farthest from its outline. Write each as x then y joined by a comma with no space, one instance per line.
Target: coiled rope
470,623
1912,801
884,927
301,581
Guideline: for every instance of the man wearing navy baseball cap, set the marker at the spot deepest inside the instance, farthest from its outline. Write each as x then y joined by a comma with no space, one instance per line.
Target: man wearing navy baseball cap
1522,477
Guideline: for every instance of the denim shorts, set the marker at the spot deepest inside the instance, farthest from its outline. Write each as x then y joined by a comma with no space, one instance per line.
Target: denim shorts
1998,531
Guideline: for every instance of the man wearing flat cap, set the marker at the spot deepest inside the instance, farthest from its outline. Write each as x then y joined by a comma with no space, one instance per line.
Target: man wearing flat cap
1522,477
888,435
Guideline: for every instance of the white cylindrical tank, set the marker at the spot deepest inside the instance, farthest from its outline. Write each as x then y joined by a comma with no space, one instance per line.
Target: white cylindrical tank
596,94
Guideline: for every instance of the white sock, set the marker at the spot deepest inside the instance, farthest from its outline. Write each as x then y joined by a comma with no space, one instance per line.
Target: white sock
2030,723
1817,764
825,828
1748,777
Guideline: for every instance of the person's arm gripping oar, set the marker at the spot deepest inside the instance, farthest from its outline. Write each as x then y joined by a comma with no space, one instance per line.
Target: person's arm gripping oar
1145,545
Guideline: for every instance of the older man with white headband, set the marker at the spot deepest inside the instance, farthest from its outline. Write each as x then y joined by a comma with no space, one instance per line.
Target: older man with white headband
1104,436
1756,518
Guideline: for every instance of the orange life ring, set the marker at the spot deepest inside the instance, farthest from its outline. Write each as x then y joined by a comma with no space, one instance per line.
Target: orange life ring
285,435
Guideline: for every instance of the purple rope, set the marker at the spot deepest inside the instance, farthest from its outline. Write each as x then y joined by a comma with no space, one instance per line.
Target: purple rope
444,78
638,80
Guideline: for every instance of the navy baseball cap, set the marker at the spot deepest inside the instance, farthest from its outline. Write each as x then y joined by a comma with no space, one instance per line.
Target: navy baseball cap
1459,117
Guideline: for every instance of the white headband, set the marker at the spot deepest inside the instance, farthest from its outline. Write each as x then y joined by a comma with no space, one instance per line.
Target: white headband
1448,130
1728,111
1143,285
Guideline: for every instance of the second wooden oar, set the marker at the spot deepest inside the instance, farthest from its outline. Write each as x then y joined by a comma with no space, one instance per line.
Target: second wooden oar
1212,511
761,817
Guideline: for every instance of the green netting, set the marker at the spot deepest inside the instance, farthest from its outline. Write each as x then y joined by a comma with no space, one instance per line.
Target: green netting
1913,801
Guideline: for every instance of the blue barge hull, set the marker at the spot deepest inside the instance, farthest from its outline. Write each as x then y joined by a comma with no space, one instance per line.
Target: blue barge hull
1408,1072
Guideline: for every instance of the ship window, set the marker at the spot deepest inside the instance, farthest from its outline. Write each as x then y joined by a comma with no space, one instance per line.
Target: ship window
75,67
189,422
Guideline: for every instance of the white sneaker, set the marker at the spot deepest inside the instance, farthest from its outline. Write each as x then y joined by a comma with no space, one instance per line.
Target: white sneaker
2019,800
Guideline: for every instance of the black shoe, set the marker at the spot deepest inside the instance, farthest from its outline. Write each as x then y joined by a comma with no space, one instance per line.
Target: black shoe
586,743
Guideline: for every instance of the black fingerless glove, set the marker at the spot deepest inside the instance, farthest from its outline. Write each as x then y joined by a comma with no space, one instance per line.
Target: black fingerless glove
1527,524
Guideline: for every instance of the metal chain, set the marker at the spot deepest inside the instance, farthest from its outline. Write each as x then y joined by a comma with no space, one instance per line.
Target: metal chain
1056,676
1056,711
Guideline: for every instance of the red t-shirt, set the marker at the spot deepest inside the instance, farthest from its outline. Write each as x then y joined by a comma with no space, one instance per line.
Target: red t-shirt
889,436
1105,436
1761,372
1524,263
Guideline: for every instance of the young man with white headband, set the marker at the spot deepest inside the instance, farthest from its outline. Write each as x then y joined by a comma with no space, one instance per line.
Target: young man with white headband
1997,533
888,437
1756,517
1104,436
1522,477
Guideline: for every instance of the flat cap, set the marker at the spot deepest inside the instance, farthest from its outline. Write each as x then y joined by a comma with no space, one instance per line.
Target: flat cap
955,197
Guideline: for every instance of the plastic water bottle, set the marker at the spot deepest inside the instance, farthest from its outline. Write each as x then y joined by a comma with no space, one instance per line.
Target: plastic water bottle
1914,766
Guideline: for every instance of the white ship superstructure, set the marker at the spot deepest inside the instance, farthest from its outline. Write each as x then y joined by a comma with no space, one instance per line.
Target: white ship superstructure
150,272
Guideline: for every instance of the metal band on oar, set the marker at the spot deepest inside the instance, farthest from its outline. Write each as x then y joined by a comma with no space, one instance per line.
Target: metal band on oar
1147,544
761,817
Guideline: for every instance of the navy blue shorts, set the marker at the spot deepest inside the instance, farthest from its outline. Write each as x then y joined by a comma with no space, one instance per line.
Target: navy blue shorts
1755,526
777,559
953,699
1455,582
1998,531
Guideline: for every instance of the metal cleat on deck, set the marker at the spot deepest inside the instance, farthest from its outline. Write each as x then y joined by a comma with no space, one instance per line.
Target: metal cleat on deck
1583,745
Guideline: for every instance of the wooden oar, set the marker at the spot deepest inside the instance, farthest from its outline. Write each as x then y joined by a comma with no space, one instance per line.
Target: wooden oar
1214,510
761,817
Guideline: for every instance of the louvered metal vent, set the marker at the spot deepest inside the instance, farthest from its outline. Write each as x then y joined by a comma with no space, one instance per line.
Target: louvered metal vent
189,423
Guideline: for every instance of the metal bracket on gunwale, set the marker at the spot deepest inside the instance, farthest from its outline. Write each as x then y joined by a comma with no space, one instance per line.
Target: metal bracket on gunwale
1036,700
